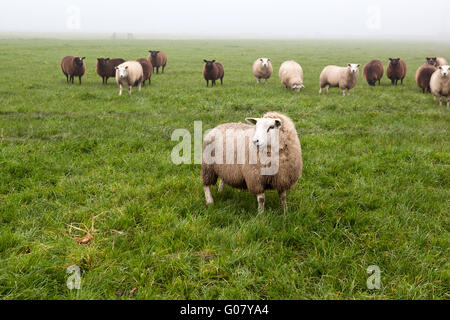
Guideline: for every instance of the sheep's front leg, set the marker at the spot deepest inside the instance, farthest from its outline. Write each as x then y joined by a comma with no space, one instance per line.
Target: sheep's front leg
140,86
208,196
221,185
261,200
130,88
282,196
120,91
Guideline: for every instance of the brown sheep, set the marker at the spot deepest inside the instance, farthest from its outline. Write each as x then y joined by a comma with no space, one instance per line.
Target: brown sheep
423,77
213,71
373,72
396,70
73,67
106,68
147,68
157,59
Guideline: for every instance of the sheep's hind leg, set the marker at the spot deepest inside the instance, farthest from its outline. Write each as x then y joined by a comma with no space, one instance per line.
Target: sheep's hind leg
208,196
130,88
221,186
282,196
261,200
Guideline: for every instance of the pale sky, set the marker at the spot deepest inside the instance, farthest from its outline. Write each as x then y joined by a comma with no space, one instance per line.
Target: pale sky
239,18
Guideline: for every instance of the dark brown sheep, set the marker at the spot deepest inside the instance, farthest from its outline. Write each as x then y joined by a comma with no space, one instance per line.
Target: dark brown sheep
106,68
396,70
423,77
147,69
73,67
373,72
158,59
213,71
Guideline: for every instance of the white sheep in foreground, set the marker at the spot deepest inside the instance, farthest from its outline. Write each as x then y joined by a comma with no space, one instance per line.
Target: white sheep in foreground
344,78
262,69
291,75
440,84
129,74
243,166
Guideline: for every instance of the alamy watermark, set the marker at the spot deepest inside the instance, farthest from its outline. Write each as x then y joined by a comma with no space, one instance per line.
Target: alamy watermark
74,279
73,18
374,281
373,21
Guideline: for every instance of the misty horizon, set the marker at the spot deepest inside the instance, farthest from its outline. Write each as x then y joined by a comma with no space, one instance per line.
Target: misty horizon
232,19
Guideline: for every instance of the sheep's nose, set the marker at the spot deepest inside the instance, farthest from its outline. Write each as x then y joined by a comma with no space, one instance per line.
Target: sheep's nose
256,142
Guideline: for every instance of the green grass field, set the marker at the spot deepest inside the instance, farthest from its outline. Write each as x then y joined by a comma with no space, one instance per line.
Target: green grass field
375,188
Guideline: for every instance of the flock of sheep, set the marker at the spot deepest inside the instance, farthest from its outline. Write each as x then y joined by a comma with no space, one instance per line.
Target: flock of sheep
431,77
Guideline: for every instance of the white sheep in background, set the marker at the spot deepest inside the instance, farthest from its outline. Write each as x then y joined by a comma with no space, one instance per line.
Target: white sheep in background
291,75
249,140
344,78
129,74
262,69
440,84
441,62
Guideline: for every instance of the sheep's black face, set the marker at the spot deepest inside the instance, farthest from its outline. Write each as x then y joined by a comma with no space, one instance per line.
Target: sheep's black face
154,54
79,61
102,61
431,61
209,64
395,62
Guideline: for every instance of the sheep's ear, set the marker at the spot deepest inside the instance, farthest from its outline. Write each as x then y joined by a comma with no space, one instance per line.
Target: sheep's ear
349,65
440,67
358,65
205,61
117,68
261,60
268,59
107,59
390,59
252,120
83,58
213,61
278,123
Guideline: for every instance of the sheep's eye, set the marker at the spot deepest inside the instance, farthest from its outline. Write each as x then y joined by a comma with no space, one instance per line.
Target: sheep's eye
270,128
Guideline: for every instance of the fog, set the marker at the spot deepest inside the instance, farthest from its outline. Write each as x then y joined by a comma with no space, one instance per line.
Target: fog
233,18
